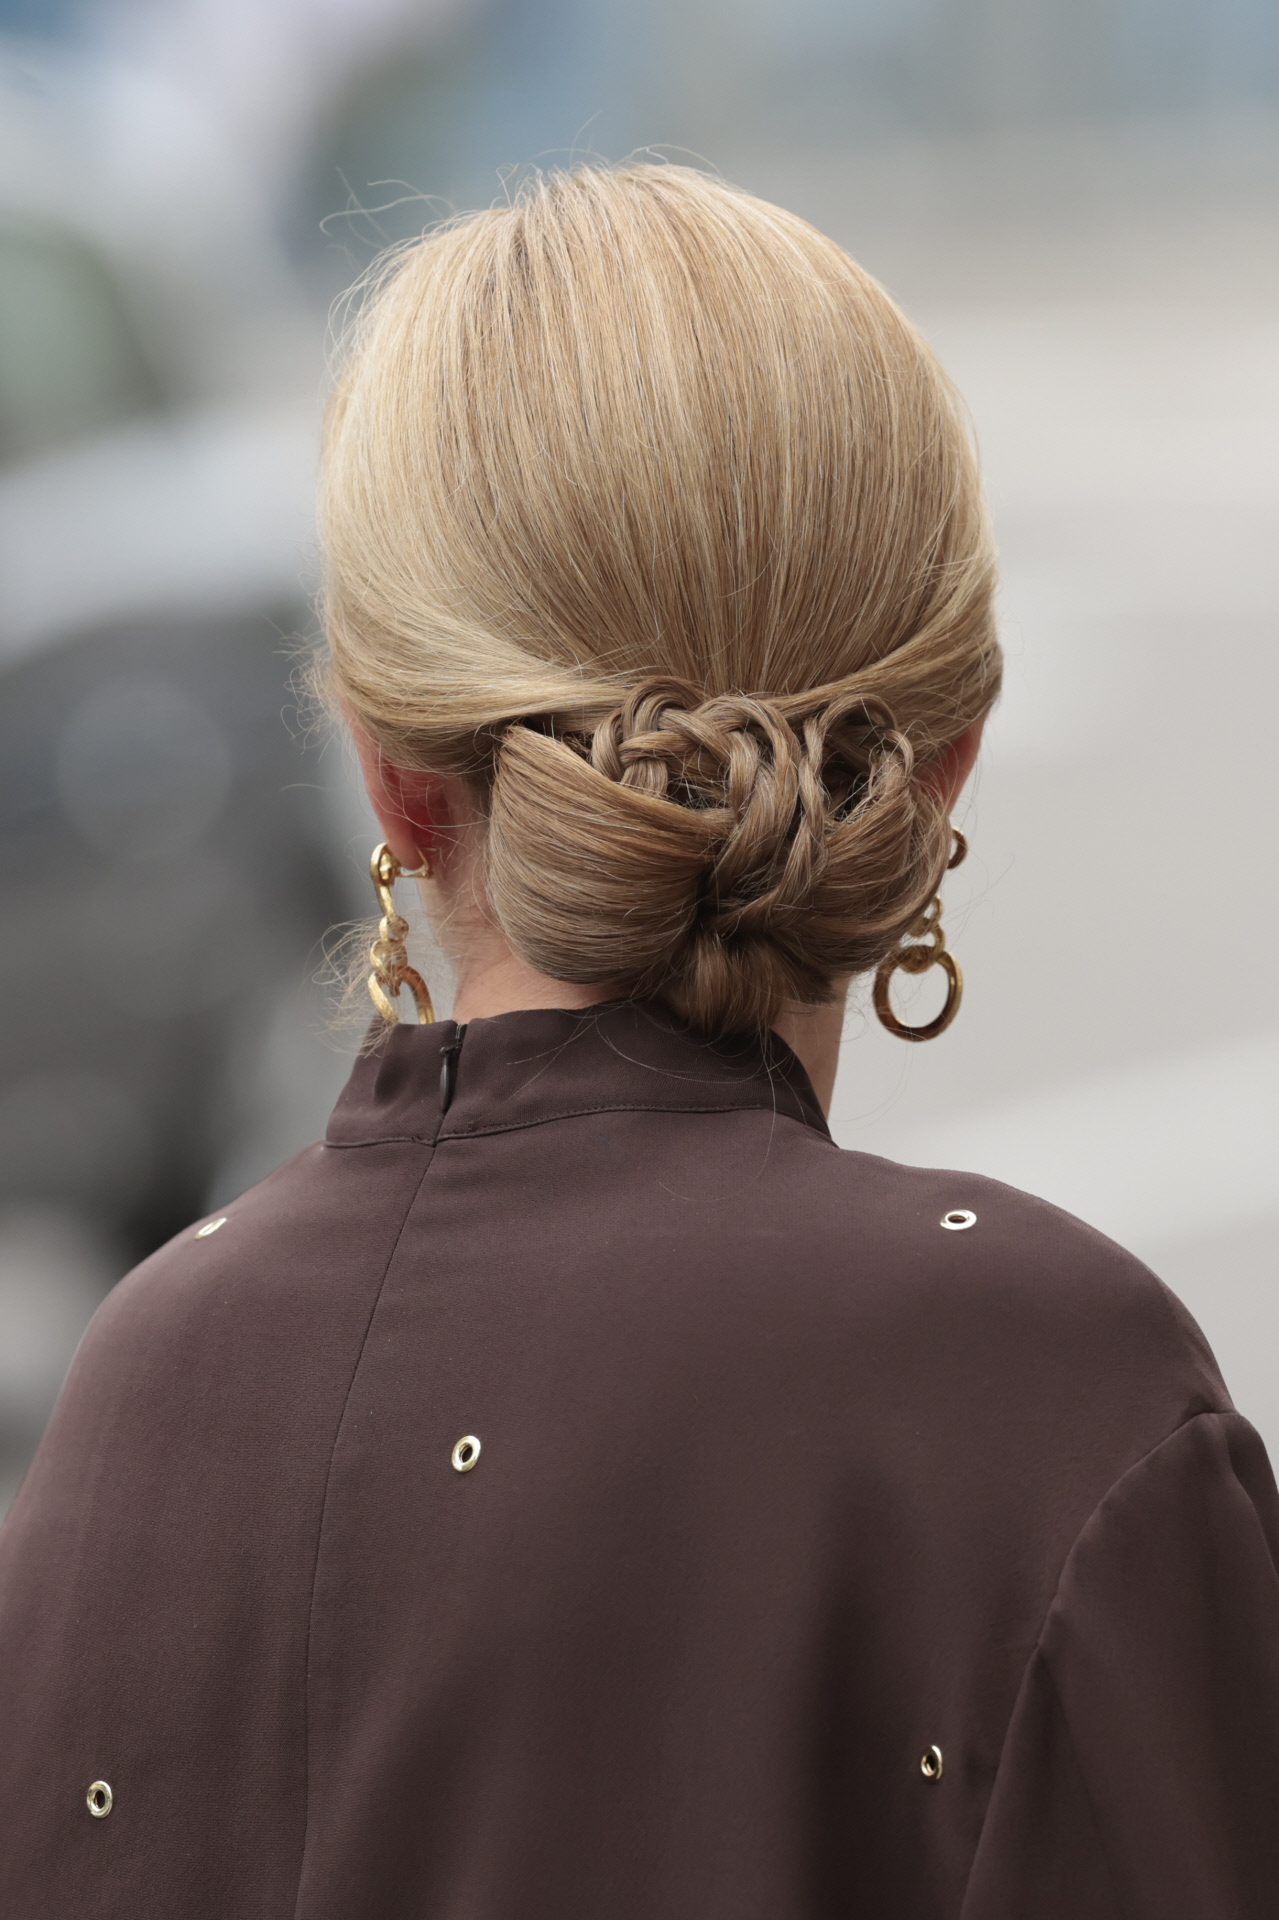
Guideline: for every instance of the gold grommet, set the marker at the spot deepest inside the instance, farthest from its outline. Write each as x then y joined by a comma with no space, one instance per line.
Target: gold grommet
466,1453
931,1763
99,1799
211,1226
958,1220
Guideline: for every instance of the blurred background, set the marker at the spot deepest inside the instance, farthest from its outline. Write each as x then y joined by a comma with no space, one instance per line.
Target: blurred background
1076,200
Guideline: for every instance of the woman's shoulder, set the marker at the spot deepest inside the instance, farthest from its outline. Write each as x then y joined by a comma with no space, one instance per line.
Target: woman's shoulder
223,1359
996,1282
268,1296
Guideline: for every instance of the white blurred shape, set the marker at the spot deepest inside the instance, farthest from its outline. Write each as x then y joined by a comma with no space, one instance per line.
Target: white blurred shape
265,68
1120,403
1154,1154
212,510
1131,452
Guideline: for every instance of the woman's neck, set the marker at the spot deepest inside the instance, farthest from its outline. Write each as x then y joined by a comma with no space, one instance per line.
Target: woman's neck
813,1035
494,980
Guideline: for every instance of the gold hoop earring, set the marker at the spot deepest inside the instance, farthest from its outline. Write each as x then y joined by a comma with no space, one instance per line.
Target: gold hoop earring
389,953
930,951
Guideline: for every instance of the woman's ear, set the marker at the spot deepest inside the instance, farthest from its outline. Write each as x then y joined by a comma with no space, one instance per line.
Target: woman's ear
408,805
948,776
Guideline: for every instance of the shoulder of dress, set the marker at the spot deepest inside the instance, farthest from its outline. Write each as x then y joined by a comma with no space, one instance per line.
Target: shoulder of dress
988,1260
314,1235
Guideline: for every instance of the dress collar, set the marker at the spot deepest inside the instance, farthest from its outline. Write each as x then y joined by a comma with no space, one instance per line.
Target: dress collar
519,1069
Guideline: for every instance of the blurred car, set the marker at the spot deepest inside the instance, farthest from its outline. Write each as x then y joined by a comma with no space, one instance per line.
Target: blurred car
168,853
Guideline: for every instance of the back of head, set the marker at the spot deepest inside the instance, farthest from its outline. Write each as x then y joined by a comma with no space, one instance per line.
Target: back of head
646,509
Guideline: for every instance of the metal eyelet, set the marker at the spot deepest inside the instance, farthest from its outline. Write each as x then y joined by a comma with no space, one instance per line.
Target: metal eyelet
931,1763
466,1453
210,1226
99,1799
958,1219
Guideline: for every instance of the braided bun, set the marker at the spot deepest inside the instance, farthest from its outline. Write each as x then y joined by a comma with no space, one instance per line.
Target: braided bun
747,860
648,511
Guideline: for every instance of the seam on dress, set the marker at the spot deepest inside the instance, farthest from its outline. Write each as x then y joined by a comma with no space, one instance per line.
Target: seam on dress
1036,1652
571,1113
324,1508
633,1106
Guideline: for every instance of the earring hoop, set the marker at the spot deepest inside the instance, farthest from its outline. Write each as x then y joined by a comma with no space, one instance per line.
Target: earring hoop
389,952
931,951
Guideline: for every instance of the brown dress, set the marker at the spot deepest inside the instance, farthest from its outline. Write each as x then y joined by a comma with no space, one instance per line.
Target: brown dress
811,1557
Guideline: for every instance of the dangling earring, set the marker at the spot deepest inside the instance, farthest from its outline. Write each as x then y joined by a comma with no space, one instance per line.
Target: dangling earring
389,954
918,959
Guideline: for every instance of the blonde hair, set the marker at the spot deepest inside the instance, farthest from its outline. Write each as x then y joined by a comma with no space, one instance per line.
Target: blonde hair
648,511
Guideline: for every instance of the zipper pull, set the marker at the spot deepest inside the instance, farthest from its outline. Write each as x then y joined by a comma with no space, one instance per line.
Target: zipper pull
448,1069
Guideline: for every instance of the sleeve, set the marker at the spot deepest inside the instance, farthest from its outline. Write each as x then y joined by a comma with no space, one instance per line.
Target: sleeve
1140,1776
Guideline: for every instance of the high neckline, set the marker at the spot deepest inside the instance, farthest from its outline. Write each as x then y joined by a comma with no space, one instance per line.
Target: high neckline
521,1069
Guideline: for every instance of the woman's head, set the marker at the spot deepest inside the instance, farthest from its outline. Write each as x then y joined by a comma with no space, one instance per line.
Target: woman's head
649,515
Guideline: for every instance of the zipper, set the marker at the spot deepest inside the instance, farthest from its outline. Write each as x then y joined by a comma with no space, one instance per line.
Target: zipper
448,1069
